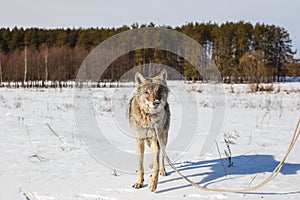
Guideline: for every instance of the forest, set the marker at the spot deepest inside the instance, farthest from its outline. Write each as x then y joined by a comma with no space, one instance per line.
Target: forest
243,52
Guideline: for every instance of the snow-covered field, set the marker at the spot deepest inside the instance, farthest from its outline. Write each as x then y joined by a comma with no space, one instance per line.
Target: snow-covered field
44,156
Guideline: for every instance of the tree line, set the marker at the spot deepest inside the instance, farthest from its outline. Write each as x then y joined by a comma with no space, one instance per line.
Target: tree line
241,51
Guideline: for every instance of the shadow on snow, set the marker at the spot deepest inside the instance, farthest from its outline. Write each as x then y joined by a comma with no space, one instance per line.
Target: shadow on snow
242,165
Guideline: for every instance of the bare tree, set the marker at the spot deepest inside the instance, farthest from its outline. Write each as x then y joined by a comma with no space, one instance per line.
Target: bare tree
46,63
0,72
25,63
253,66
1,78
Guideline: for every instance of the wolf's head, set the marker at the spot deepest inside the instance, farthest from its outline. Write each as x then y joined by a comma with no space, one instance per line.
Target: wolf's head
152,93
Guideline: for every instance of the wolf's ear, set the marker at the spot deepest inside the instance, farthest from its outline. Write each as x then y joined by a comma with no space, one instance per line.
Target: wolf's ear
139,79
162,76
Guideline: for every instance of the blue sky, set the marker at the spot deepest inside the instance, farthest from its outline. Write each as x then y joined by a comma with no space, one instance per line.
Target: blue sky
114,13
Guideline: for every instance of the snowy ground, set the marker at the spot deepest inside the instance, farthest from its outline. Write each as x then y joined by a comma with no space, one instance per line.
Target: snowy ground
42,155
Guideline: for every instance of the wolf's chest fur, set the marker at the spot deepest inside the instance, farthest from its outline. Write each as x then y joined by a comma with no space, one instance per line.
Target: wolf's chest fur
144,124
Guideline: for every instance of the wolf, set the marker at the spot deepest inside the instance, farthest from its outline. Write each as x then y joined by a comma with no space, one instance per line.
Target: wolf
149,118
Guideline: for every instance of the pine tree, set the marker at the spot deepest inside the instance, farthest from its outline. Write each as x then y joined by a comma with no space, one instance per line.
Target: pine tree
17,38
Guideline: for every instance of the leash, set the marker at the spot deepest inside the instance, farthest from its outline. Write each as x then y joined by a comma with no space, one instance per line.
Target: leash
261,184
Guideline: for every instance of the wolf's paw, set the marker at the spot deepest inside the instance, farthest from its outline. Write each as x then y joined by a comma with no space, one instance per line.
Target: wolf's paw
153,183
163,172
137,185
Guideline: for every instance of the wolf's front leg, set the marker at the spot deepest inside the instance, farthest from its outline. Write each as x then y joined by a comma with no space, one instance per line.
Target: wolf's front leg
155,162
140,151
162,170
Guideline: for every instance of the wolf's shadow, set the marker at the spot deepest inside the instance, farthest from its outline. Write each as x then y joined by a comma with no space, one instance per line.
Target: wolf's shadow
242,165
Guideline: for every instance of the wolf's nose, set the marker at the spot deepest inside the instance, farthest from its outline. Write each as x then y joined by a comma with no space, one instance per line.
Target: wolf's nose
156,102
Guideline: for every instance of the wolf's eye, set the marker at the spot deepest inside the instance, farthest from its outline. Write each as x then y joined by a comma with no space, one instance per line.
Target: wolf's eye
146,93
160,93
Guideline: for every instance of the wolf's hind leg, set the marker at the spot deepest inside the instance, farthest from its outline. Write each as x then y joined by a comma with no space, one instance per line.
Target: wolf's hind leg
162,170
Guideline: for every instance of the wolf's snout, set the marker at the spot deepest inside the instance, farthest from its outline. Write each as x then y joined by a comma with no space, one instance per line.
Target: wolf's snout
156,102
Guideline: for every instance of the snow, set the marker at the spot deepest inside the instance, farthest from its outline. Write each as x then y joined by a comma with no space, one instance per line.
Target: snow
45,156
